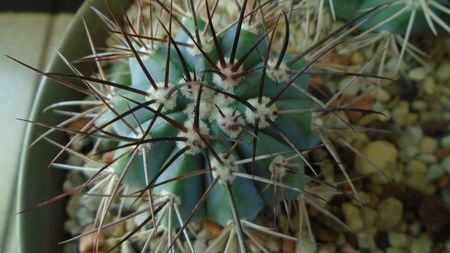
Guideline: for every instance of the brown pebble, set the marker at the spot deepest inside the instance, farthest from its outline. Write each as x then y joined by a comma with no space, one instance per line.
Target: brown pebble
212,227
326,235
364,103
444,182
87,243
108,156
77,125
435,216
442,153
287,246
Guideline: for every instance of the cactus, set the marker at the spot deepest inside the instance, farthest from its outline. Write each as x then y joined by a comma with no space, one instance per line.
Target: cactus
205,121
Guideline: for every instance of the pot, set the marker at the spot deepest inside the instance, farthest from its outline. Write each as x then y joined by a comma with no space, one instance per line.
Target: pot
41,229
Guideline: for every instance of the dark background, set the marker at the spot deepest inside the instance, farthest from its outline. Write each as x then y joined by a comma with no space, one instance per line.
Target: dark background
52,6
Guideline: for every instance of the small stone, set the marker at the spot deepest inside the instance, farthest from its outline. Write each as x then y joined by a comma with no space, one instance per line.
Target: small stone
307,245
287,246
380,153
325,235
400,113
349,249
443,72
352,216
366,237
435,171
357,58
390,212
417,74
349,88
429,86
445,142
428,145
212,227
126,247
88,243
326,249
369,216
415,228
415,166
252,247
396,250
427,158
398,239
273,244
419,105
417,181
382,94
204,234
200,245
435,216
445,163
422,244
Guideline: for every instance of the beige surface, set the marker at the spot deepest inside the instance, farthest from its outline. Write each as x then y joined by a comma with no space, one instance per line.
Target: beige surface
29,38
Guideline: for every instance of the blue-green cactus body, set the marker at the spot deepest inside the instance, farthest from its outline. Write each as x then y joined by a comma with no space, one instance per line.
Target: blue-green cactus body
250,195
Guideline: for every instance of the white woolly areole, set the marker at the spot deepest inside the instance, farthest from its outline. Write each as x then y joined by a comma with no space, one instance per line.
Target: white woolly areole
190,91
252,29
262,111
278,167
161,97
229,80
230,122
143,148
225,169
206,43
194,141
171,196
147,52
279,75
206,109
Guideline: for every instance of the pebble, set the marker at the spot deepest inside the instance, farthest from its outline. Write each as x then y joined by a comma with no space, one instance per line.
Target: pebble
212,227
326,249
307,245
369,215
400,113
126,247
428,145
445,163
349,88
417,74
443,72
382,94
396,250
87,243
427,158
417,181
287,246
200,245
380,153
429,86
366,238
352,216
398,239
445,141
419,105
415,166
422,244
435,171
390,212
